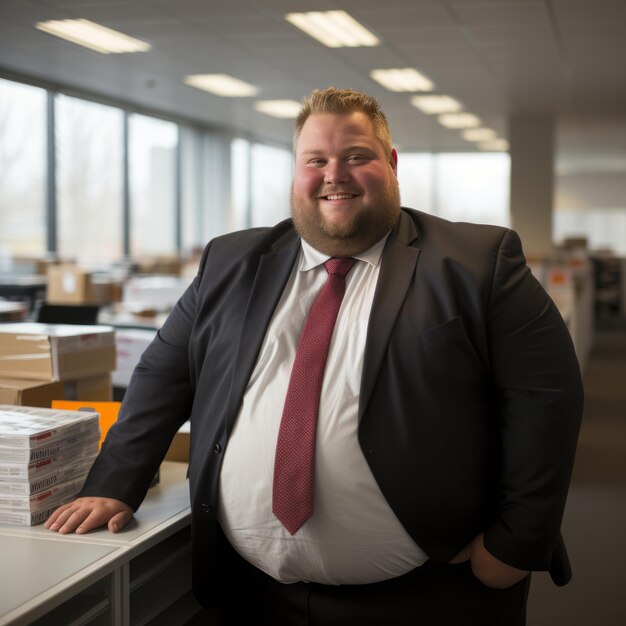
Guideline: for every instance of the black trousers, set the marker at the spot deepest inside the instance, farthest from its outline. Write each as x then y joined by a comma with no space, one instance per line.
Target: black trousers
431,595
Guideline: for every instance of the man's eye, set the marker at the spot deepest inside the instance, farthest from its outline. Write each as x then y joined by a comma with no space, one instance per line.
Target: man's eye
317,162
356,158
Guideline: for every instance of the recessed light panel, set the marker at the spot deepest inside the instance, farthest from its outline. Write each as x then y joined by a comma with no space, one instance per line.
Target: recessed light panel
93,36
402,79
335,29
479,134
434,105
221,85
279,108
497,145
458,120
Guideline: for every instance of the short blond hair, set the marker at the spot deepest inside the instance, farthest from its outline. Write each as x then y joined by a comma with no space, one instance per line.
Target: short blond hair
342,102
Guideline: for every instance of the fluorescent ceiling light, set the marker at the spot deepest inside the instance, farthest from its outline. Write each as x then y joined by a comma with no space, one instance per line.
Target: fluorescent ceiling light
405,79
458,120
93,36
479,134
279,108
497,145
335,29
221,85
432,105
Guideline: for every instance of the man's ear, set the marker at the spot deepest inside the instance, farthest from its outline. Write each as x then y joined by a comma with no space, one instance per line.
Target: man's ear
393,161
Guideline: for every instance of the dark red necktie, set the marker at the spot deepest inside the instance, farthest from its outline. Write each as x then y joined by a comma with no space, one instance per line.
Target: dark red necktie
292,497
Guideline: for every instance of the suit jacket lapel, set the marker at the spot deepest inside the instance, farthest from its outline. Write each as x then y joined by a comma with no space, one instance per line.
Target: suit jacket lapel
399,261
270,280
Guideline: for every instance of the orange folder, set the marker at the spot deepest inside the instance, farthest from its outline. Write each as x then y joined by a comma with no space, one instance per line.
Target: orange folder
108,411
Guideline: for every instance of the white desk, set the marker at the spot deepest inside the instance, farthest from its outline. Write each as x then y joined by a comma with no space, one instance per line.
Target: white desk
133,577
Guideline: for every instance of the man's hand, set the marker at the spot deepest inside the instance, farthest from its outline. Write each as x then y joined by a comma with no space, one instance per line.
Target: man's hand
486,567
86,514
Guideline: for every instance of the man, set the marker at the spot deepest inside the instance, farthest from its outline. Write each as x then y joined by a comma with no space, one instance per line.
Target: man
446,423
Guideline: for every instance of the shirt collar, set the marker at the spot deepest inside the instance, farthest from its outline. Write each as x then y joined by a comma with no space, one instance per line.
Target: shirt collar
312,258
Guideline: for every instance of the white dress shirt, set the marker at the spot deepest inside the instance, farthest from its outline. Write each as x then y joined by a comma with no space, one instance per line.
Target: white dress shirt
353,536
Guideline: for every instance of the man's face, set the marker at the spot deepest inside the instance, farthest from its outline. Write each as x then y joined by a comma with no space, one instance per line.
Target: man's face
344,196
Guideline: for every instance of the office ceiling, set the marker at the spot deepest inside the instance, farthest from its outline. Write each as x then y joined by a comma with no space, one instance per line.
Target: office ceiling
498,57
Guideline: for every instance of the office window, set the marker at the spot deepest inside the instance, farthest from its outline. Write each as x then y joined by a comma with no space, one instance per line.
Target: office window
270,184
260,184
89,142
240,183
603,228
22,171
192,200
457,187
152,171
415,176
591,203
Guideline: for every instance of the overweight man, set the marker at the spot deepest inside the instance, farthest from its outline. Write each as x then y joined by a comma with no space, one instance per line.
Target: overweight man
384,406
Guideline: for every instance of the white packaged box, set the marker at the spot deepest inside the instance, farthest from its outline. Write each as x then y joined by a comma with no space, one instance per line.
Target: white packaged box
130,344
25,427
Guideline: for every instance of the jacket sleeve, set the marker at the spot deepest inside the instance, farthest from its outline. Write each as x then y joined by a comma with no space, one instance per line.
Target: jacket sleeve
539,409
156,403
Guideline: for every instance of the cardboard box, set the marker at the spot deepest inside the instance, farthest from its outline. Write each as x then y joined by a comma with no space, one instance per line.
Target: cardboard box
55,352
156,293
29,392
41,394
98,388
69,284
163,264
13,311
179,448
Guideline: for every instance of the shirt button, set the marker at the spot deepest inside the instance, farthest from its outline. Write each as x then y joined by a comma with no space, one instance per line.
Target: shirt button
205,508
217,448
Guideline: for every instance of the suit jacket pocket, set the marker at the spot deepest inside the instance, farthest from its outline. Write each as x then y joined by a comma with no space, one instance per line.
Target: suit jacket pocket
450,352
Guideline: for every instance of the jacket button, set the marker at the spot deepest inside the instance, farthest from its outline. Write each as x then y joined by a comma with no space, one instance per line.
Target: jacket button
205,508
217,448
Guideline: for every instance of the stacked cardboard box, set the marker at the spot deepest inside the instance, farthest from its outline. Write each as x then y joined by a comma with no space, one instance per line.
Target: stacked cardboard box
43,362
153,293
70,284
45,455
41,393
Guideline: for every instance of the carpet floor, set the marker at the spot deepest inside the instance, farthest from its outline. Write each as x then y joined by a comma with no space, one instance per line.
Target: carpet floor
594,525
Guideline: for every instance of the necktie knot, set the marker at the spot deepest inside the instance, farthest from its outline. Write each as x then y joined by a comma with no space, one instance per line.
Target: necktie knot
339,265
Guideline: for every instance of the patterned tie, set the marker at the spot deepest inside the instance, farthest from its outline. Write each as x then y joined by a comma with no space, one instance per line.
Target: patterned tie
292,498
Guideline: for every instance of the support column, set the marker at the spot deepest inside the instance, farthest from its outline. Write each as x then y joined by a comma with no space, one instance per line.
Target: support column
532,149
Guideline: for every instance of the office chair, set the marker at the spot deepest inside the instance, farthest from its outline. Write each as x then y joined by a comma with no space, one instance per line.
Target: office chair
67,313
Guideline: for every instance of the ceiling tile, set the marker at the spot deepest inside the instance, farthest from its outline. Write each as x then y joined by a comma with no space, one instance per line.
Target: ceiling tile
519,36
491,54
589,11
504,15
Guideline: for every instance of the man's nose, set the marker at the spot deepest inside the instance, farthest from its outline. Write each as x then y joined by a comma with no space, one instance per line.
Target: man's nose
335,172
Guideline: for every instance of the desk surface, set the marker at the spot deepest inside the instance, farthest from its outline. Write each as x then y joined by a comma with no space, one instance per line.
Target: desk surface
23,280
39,565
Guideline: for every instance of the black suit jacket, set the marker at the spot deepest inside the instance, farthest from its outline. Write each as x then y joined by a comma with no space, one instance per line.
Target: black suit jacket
470,402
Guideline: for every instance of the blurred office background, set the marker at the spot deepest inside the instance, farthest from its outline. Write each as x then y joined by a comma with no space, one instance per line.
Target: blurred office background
124,164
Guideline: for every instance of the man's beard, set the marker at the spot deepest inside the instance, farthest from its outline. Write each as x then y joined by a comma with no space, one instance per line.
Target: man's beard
367,226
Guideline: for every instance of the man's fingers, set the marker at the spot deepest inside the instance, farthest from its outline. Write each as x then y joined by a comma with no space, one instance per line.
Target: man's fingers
62,516
55,515
117,522
70,518
86,514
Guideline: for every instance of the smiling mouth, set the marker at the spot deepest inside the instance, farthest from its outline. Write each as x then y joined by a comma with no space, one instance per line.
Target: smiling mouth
339,196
